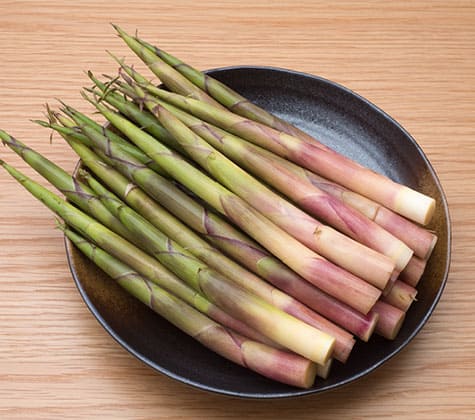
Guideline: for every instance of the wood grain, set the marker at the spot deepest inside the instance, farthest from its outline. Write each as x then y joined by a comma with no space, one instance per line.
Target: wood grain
416,60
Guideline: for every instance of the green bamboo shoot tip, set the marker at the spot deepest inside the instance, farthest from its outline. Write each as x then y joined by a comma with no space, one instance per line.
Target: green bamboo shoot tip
118,29
42,123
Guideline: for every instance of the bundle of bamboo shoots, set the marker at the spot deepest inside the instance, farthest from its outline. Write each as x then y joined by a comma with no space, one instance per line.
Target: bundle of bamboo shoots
262,243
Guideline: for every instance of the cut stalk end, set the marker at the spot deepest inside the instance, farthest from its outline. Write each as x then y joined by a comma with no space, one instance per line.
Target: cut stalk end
401,295
431,247
287,368
390,320
324,370
413,271
372,322
415,205
402,256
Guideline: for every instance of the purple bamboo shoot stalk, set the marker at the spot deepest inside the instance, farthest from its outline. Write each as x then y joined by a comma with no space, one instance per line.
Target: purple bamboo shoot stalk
401,295
239,105
419,239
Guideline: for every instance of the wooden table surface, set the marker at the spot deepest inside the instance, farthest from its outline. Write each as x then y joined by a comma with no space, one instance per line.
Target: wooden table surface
415,60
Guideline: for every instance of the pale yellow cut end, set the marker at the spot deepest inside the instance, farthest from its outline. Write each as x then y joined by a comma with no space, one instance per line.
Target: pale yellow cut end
397,327
414,205
286,367
324,354
431,248
323,371
370,330
299,337
402,257
309,375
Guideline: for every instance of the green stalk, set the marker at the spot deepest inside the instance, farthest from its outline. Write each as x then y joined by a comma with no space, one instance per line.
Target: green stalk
330,278
141,117
69,129
270,362
229,240
177,231
68,110
74,190
126,145
128,253
279,326
169,76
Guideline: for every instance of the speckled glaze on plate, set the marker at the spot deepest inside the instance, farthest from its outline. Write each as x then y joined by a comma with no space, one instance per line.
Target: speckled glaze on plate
353,126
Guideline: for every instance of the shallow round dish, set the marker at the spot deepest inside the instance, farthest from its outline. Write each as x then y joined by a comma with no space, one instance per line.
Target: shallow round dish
345,122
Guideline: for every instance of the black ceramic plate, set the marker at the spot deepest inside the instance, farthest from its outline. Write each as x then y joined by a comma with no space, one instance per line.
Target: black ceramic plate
347,123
